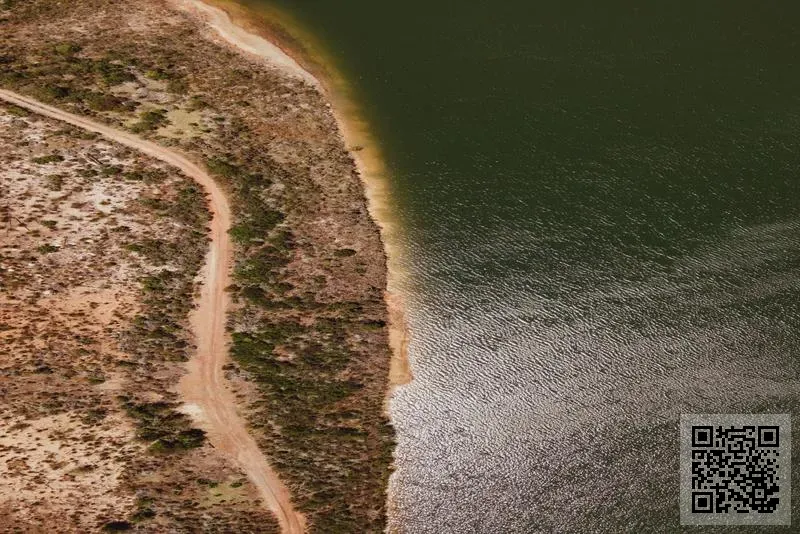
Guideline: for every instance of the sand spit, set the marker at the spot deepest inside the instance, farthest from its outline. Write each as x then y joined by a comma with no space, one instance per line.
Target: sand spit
364,152
203,387
248,42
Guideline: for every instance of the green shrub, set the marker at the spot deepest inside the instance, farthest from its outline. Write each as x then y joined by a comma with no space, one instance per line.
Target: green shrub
190,206
55,92
255,294
55,182
52,158
112,73
196,103
110,170
16,110
156,74
47,248
184,440
158,252
223,168
256,227
178,86
104,102
150,120
117,526
143,514
67,49
344,252
167,429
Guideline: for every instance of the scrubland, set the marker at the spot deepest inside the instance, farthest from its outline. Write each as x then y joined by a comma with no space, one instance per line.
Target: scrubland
98,276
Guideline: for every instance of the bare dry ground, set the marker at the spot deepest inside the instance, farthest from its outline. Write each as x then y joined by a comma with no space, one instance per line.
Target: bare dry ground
91,348
309,346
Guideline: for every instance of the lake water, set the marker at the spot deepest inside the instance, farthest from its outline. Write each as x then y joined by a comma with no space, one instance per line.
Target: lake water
600,213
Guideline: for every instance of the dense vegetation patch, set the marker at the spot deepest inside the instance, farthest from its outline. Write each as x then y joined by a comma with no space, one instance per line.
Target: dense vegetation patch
158,330
165,429
150,120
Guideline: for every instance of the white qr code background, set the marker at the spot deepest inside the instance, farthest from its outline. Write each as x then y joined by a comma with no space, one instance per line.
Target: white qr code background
735,469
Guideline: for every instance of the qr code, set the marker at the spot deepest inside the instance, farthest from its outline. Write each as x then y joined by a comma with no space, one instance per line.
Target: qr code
735,469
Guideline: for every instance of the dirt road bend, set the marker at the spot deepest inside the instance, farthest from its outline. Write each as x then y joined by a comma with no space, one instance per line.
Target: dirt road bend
203,389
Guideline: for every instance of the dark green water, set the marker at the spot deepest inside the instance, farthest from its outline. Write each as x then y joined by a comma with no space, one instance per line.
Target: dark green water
600,204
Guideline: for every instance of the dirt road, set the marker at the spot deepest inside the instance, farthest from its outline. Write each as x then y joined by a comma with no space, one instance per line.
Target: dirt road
203,388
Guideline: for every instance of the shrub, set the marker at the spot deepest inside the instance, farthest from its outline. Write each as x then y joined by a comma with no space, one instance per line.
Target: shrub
143,514
16,110
150,120
196,103
52,158
344,252
223,168
47,248
55,182
178,86
156,74
112,73
55,92
183,440
104,102
158,252
117,526
256,227
167,429
110,170
67,49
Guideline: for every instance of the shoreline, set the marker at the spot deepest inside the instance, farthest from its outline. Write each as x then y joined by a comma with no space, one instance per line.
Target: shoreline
309,315
238,30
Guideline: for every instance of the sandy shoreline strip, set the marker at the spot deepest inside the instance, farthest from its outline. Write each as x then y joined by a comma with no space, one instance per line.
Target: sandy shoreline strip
370,167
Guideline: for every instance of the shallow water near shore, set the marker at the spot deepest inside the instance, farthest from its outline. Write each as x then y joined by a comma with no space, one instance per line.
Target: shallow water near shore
600,229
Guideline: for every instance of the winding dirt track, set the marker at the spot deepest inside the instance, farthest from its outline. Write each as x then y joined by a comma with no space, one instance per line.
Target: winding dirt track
203,388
